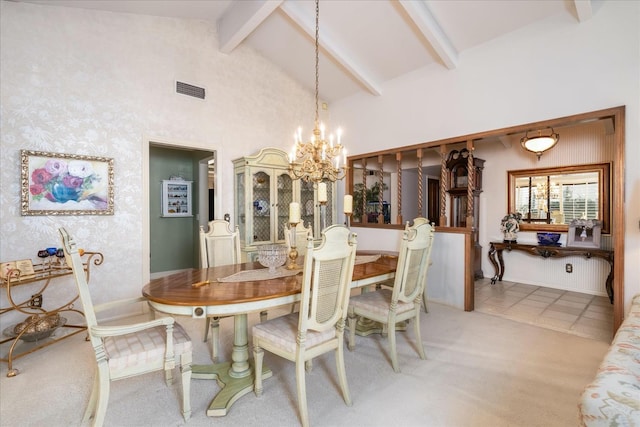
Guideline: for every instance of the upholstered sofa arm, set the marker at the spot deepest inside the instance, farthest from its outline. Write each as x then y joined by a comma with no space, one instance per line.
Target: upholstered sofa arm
613,398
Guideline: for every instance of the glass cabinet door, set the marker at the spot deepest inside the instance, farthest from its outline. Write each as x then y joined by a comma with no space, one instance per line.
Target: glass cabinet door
307,203
284,191
330,200
240,203
262,202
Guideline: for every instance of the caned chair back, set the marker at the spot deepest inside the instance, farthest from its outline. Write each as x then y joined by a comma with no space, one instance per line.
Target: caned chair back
220,245
402,302
413,261
319,326
326,279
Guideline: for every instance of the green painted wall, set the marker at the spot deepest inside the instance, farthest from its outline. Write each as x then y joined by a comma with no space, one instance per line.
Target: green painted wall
173,240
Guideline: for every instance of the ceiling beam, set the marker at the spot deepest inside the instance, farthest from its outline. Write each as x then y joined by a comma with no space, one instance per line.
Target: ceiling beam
422,17
308,25
241,19
506,141
583,10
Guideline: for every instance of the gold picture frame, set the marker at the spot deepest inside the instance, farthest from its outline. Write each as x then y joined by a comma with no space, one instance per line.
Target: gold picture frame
65,184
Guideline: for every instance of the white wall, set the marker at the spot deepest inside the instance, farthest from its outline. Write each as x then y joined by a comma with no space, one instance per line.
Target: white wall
555,68
98,83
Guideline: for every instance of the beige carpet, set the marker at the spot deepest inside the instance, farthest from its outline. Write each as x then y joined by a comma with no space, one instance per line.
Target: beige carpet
481,370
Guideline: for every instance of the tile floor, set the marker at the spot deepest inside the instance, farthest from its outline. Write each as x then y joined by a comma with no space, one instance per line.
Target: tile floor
580,314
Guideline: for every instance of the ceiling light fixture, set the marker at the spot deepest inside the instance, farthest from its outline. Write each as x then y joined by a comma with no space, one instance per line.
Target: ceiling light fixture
318,159
540,143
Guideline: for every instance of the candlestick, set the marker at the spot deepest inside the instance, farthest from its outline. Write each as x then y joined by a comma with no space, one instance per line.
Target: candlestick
322,192
294,212
323,215
293,251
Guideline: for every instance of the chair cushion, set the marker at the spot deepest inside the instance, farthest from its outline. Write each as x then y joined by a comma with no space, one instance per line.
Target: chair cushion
144,347
282,332
378,303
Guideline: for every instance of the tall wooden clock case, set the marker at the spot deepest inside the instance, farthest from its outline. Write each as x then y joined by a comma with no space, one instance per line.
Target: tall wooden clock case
457,164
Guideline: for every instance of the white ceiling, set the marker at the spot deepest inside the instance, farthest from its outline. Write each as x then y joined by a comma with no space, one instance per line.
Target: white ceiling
364,43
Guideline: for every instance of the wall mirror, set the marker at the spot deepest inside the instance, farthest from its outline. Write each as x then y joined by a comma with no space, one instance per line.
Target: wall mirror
550,198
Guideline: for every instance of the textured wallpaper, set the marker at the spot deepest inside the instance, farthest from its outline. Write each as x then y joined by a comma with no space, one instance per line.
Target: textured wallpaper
102,84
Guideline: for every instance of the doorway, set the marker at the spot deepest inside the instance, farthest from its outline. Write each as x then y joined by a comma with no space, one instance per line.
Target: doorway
173,240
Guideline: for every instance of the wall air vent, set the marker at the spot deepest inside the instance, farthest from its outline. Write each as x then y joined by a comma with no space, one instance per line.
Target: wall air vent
187,89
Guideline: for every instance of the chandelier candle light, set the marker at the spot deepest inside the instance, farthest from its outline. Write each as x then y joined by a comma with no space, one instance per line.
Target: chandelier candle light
319,158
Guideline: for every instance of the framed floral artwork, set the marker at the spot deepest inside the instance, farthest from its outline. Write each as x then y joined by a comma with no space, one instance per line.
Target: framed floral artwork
65,184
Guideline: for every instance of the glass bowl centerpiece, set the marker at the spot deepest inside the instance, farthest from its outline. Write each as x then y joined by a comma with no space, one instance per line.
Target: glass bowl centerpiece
272,256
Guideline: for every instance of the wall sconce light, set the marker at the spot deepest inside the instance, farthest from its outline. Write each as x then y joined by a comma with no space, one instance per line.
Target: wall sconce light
540,143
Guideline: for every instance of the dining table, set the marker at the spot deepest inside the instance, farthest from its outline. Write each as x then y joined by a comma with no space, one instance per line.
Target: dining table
238,290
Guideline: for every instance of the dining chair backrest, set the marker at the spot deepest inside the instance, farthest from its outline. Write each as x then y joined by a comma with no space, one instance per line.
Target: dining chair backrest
326,280
74,261
220,245
413,261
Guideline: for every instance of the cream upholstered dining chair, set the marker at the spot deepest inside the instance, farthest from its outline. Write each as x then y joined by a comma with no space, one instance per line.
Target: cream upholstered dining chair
220,245
319,326
402,301
416,222
125,351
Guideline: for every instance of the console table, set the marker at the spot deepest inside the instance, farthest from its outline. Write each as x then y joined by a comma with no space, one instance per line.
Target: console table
18,344
496,248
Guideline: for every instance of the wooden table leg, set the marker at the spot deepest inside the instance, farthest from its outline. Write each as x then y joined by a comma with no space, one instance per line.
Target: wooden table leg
236,378
492,259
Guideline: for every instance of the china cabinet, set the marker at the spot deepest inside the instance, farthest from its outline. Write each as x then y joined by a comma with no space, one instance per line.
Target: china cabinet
41,327
263,192
177,199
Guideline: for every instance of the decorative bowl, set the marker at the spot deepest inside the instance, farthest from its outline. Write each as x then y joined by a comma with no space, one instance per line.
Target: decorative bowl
35,328
548,239
272,256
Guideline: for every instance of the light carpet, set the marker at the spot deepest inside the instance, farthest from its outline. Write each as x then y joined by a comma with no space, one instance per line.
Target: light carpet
481,370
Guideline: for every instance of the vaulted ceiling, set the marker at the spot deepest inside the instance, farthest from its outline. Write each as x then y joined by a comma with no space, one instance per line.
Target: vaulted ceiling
363,43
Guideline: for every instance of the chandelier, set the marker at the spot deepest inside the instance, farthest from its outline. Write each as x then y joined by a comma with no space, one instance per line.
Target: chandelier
318,159
543,191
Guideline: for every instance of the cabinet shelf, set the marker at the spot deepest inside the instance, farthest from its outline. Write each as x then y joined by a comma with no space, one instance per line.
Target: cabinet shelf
177,198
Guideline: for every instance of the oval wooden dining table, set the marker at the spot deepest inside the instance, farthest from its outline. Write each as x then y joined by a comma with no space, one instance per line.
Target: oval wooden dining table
198,293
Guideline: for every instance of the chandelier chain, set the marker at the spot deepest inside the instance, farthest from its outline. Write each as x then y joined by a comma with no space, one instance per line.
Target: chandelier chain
317,59
319,159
